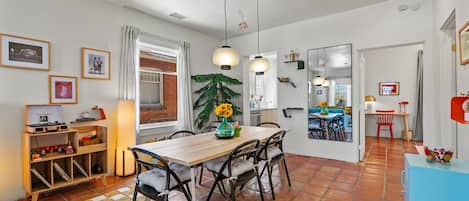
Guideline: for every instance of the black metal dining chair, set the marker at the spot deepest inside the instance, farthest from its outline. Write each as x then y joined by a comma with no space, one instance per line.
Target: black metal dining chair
181,133
160,176
272,153
268,124
236,168
185,133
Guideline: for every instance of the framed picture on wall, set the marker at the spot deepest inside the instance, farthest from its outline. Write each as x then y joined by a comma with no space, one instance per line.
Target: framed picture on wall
63,89
389,88
464,44
24,53
96,64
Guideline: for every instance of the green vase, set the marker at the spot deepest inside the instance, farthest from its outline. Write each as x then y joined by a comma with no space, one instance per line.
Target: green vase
324,111
225,129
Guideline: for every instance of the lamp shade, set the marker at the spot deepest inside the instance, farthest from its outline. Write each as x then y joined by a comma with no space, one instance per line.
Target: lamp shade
259,64
370,99
226,57
318,80
326,83
125,163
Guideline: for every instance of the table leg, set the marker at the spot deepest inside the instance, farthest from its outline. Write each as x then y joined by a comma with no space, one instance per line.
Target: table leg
193,182
406,128
327,132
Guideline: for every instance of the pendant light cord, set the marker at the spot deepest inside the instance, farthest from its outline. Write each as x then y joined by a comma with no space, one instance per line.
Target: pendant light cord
258,30
226,29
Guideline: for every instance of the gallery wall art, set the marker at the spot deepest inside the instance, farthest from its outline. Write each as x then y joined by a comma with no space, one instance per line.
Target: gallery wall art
24,53
63,89
464,44
96,64
389,88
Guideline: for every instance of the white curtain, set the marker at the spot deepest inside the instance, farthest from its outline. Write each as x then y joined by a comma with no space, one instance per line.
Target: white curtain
129,61
126,117
418,117
185,110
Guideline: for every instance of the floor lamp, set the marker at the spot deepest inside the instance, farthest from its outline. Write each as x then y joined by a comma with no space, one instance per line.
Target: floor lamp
125,163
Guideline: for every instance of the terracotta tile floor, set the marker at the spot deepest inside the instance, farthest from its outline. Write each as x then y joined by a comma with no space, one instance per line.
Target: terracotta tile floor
375,179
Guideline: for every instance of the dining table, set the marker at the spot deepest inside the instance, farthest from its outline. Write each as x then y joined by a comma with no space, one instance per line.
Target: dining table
192,151
326,117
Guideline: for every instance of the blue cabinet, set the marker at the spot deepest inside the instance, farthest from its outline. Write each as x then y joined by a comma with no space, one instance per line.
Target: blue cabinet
425,181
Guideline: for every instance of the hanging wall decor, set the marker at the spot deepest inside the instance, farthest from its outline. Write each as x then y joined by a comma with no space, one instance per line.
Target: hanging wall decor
389,88
96,64
63,89
24,53
464,44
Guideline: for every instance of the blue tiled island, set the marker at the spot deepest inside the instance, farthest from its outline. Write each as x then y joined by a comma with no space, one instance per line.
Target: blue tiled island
424,181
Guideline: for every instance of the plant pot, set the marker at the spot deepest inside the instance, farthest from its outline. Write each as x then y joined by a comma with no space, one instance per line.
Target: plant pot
225,130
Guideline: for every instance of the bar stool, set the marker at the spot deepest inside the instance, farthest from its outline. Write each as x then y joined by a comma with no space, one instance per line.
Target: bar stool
385,118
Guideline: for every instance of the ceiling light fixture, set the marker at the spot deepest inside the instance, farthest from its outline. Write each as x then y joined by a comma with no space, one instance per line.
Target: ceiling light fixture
225,56
259,63
318,80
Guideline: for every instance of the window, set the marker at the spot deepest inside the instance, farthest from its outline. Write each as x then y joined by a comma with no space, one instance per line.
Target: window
157,86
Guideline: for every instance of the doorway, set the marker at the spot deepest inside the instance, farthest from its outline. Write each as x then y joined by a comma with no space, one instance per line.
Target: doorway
391,81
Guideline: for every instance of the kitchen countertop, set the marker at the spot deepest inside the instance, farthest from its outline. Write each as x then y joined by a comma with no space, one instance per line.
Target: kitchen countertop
262,109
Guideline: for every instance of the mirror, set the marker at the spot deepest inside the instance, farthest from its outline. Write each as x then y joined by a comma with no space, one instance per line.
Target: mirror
330,93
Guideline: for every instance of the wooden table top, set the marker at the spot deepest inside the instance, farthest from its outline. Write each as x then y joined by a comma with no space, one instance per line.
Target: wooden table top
322,116
193,150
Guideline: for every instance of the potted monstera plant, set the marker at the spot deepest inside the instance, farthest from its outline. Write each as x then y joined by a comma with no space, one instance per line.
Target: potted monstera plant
215,92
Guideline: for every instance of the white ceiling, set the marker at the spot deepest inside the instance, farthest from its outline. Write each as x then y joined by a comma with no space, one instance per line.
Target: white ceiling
206,16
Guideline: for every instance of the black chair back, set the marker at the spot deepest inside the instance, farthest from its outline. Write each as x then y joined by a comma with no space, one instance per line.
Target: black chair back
268,124
244,150
158,163
181,133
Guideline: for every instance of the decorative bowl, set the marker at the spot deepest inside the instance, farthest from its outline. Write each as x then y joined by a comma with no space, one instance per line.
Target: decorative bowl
439,154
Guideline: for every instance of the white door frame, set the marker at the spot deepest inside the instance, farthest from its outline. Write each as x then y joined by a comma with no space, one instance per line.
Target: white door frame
362,79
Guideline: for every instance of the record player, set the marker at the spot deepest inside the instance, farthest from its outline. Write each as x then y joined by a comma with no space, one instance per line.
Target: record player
44,118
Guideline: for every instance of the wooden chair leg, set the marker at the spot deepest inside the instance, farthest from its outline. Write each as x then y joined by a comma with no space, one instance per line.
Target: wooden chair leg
34,196
390,129
379,130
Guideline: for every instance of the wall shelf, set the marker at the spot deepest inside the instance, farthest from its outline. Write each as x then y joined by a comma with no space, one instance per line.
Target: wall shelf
300,64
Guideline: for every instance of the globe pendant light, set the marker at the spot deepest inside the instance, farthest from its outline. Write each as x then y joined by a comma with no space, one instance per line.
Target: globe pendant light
225,56
326,83
318,80
258,64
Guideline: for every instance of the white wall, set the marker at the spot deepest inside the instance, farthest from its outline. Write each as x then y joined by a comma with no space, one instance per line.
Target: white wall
442,10
70,25
375,26
395,64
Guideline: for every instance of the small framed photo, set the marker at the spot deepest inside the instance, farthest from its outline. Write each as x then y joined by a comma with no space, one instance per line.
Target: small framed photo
464,44
63,89
389,88
24,53
96,64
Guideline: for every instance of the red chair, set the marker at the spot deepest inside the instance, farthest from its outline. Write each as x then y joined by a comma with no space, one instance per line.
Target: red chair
385,118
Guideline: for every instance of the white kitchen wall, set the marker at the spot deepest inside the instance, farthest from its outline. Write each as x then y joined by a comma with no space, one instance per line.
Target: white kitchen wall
70,25
394,64
370,27
441,11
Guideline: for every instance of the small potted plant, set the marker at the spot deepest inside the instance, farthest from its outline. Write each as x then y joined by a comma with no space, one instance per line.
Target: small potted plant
224,129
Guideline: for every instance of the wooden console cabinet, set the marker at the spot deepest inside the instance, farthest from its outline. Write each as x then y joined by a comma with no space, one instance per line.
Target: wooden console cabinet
59,169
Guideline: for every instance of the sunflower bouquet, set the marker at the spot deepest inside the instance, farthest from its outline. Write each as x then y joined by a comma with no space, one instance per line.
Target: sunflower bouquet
224,129
323,105
224,110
